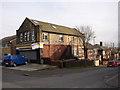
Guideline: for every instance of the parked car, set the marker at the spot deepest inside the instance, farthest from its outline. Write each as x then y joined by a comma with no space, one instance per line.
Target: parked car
112,64
118,63
13,60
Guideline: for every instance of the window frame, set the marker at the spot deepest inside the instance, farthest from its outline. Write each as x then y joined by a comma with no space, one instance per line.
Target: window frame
33,35
45,36
28,36
61,38
21,37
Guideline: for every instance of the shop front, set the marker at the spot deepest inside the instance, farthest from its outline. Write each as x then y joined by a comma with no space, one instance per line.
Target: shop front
33,55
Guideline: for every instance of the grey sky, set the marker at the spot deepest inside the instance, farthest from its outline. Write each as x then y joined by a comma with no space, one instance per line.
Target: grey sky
101,16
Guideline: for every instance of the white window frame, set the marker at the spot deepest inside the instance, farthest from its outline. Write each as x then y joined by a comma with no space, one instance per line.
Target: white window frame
33,35
72,39
21,37
45,36
61,38
95,51
25,36
28,36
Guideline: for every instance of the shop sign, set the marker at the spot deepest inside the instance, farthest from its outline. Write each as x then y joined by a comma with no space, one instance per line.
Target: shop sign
41,44
35,46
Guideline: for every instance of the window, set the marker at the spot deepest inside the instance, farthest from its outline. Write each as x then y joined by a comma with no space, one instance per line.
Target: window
61,38
6,45
33,36
90,52
21,37
45,36
54,26
72,39
25,36
95,51
28,34
35,21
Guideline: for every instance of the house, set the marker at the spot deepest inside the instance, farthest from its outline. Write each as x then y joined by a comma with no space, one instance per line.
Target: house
39,40
8,45
91,52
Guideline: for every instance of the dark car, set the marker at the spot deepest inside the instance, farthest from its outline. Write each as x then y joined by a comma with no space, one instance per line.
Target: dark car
112,64
13,60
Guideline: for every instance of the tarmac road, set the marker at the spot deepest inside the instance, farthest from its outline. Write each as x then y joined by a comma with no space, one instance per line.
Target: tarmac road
94,77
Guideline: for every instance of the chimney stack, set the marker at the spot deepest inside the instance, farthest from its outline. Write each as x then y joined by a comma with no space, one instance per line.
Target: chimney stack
100,43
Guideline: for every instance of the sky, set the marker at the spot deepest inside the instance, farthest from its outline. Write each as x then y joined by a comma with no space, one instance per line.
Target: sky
100,15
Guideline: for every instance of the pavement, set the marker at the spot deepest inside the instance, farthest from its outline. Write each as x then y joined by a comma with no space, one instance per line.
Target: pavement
33,67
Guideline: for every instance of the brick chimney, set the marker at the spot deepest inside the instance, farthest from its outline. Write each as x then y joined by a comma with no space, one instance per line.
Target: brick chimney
100,43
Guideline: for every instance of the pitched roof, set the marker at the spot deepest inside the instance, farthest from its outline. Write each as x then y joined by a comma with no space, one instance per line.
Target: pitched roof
7,39
90,46
98,46
49,27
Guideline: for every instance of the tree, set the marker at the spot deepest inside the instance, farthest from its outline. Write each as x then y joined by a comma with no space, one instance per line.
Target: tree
88,33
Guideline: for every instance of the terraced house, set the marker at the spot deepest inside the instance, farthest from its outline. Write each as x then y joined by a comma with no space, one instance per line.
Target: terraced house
41,40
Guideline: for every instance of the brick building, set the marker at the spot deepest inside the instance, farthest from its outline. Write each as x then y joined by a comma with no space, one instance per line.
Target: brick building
37,39
8,45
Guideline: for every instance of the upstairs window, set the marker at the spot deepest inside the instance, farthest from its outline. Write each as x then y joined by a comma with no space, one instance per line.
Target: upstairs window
25,36
33,36
72,39
61,39
21,37
45,36
95,51
54,26
90,52
28,36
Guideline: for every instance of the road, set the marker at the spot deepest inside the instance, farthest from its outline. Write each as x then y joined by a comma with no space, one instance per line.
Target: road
94,77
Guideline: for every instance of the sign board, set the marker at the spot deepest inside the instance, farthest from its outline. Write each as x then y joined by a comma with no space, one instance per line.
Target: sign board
37,45
41,44
96,62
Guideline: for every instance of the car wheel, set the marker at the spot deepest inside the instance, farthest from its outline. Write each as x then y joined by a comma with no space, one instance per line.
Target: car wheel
14,64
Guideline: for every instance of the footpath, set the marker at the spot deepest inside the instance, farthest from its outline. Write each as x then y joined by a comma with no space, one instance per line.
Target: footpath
33,67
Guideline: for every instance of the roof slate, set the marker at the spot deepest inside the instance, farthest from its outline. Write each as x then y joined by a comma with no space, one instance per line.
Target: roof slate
8,39
49,27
